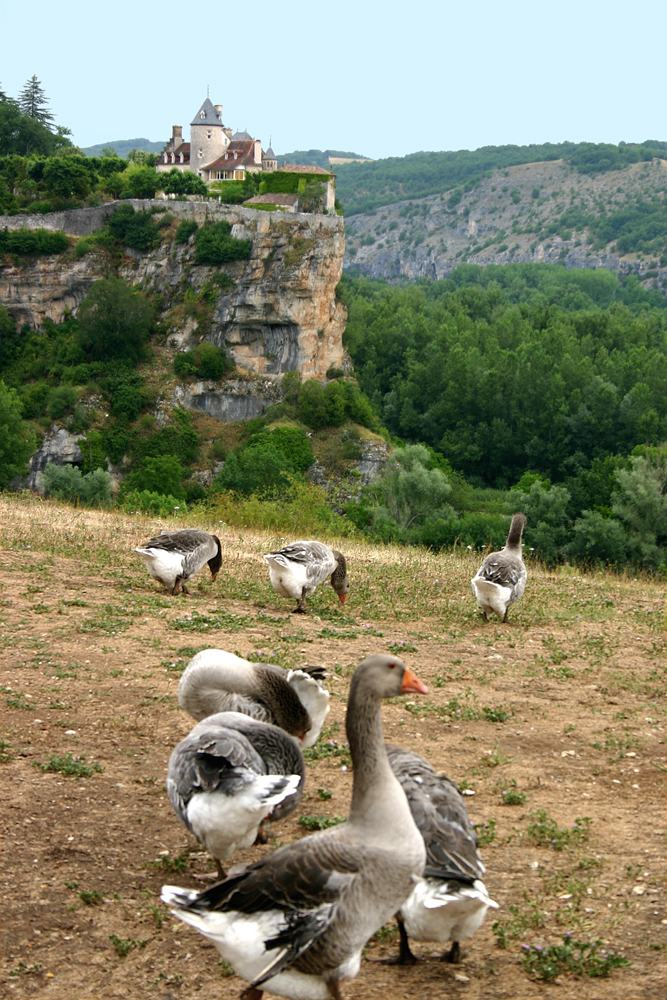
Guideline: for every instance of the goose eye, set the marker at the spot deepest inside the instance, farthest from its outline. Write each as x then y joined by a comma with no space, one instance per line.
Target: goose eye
392,666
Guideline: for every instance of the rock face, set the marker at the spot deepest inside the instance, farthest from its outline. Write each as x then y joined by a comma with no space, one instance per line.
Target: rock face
59,447
239,400
274,312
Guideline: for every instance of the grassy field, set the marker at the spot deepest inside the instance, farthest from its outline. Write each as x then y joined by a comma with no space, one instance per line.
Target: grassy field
560,712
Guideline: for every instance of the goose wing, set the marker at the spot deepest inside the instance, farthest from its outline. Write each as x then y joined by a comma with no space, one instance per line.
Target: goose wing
440,814
186,541
302,883
503,569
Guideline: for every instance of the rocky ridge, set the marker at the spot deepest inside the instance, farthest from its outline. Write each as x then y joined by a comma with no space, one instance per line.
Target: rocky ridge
497,222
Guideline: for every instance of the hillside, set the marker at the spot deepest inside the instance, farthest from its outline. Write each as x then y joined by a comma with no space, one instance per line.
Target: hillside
123,147
365,186
320,157
544,211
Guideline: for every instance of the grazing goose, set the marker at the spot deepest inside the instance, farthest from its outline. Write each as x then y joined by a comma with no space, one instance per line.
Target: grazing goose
501,579
295,700
296,922
450,901
174,556
228,775
298,569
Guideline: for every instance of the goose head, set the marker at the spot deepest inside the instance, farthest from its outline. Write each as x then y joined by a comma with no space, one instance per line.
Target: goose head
339,578
215,562
387,676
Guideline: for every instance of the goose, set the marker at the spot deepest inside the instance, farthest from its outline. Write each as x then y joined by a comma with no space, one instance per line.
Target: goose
295,923
299,568
501,579
228,775
295,700
449,901
174,556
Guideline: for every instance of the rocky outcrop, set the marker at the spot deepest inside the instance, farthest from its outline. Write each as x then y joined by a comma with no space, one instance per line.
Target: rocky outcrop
58,447
273,313
236,400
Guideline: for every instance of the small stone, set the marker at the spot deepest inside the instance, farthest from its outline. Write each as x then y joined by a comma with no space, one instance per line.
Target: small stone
467,791
460,978
639,890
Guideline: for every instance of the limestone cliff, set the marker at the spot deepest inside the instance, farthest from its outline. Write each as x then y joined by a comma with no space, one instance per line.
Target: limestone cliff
274,312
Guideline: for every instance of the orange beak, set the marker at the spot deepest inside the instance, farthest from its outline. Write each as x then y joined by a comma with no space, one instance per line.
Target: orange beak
412,683
341,598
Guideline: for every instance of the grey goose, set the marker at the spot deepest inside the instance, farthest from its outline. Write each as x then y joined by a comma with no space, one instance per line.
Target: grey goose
174,556
501,579
298,569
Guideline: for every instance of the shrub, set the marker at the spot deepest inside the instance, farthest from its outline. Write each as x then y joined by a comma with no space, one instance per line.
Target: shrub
408,493
177,181
161,474
206,361
185,230
133,229
598,539
215,245
114,321
65,482
32,242
145,502
142,182
60,400
260,468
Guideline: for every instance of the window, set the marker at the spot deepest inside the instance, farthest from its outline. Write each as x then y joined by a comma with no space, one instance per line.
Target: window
200,153
208,134
202,115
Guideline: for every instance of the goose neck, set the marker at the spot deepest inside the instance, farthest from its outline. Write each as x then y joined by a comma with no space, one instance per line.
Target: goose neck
371,771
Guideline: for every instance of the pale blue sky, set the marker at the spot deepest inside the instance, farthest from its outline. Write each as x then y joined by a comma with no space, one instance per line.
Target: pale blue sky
382,79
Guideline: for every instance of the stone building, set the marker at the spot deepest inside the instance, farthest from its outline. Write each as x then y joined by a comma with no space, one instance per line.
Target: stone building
213,151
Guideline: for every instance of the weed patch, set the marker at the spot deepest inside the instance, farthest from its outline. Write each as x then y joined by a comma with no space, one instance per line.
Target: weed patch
71,766
544,831
580,958
320,822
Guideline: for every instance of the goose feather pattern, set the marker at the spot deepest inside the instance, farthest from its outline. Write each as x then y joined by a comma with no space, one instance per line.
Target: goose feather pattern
228,775
450,901
217,681
295,923
173,557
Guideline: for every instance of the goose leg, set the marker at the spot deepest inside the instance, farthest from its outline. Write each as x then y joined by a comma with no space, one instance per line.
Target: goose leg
262,833
176,589
453,955
184,589
405,956
252,993
505,618
301,608
220,874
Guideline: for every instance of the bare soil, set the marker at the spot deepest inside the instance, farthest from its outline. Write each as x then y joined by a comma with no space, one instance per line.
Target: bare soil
92,656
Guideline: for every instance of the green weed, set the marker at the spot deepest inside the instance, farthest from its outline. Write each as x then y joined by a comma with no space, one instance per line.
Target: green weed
5,756
544,831
125,945
323,794
402,647
320,822
196,622
495,714
25,969
70,766
580,958
19,701
486,832
92,898
509,794
520,919
166,864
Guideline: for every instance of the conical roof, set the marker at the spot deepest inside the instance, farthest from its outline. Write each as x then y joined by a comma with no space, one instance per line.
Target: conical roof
207,115
269,154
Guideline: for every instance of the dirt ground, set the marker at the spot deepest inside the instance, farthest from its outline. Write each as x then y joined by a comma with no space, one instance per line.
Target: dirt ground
563,707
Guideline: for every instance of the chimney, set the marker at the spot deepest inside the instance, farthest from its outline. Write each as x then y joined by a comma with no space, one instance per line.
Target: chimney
176,135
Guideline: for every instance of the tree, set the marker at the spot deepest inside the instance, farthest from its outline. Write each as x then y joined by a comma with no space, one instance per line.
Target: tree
408,493
17,443
67,176
641,503
33,102
114,321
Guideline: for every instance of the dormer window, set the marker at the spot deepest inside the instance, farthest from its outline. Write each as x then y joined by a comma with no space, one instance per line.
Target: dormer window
202,115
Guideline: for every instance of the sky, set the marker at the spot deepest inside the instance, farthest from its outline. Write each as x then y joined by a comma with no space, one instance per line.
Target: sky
378,79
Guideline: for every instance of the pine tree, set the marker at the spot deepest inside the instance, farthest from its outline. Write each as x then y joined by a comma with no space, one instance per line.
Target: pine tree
33,102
